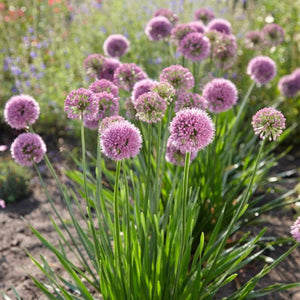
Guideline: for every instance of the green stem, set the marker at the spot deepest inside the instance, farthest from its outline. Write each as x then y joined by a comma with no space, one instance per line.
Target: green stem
195,73
83,159
147,195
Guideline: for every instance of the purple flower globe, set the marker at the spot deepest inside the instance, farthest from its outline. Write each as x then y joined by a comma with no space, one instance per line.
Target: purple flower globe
220,94
179,77
121,140
170,15
191,130
116,45
220,25
141,87
106,122
165,90
108,69
261,69
268,123
296,74
158,28
189,100
254,39
175,156
104,85
273,34
295,230
81,101
28,148
288,86
93,64
92,124
204,14
108,105
20,111
195,46
150,107
127,75
199,26
180,31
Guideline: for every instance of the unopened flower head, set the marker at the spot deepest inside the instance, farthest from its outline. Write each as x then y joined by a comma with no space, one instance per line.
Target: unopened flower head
191,130
170,15
268,123
141,87
108,105
116,45
108,69
165,90
93,64
220,94
179,77
220,25
28,148
106,122
180,31
121,140
273,34
261,69
150,107
195,46
199,26
20,111
190,100
288,86
204,14
175,156
104,85
127,75
158,28
81,101
295,230
254,39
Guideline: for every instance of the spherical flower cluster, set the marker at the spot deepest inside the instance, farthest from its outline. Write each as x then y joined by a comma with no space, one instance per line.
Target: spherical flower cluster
121,140
261,69
273,34
296,73
80,102
108,69
171,16
20,111
204,14
288,86
91,123
127,75
295,230
93,64
268,123
220,94
104,85
158,28
180,31
198,26
106,122
179,77
141,87
175,156
165,90
108,105
28,148
254,39
189,100
150,107
220,25
116,45
191,130
195,46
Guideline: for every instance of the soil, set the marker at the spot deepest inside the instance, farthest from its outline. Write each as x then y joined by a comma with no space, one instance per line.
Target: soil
15,236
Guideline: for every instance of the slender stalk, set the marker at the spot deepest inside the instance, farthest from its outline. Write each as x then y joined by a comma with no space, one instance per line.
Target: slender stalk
147,195
195,73
83,159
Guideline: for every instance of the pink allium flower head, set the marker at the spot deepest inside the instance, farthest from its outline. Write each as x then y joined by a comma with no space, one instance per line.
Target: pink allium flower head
106,122
81,101
108,69
108,105
28,148
93,64
91,123
220,25
180,31
141,87
104,85
273,34
261,69
179,77
158,28
191,130
295,230
127,75
150,107
254,39
121,140
204,14
199,26
116,45
175,156
195,46
288,86
296,74
268,123
21,110
220,94
189,100
165,90
171,16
